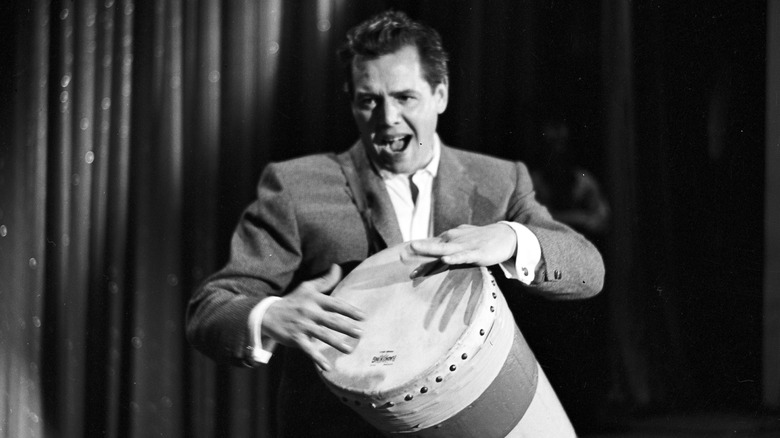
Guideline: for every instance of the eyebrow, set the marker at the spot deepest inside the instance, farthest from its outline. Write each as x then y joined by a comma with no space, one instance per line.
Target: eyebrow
406,91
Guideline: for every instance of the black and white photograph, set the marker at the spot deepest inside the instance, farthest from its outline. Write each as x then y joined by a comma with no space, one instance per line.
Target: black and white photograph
390,218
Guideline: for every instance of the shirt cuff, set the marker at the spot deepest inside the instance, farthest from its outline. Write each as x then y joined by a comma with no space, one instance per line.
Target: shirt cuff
527,257
262,350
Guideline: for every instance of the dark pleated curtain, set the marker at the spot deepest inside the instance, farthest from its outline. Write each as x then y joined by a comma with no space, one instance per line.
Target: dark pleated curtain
110,210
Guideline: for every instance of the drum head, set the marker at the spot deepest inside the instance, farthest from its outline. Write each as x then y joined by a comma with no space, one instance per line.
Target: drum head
410,324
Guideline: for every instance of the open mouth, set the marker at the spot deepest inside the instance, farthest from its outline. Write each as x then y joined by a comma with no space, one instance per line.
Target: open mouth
396,143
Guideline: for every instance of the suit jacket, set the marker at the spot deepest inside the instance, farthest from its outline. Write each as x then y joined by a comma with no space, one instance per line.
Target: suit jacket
322,209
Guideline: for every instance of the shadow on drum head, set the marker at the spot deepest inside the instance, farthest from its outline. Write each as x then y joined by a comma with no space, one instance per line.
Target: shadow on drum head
455,285
364,279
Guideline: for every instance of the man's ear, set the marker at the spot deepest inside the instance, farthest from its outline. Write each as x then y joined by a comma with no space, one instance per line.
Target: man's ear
441,93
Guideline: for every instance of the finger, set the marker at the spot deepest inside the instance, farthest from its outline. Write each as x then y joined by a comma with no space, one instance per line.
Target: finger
410,257
464,256
310,350
341,324
330,337
327,282
461,258
435,247
342,307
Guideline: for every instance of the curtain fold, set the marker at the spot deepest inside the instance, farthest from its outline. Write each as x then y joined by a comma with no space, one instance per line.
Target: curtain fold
202,93
23,157
156,311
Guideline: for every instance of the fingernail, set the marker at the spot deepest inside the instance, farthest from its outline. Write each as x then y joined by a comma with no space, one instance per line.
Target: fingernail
414,273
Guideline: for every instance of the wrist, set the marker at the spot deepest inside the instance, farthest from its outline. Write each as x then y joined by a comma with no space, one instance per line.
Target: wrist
511,237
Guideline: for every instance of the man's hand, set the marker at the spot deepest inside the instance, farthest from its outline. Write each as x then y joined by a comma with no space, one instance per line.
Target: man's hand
307,314
467,244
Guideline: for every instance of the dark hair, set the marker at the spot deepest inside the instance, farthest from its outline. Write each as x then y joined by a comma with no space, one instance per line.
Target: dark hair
389,32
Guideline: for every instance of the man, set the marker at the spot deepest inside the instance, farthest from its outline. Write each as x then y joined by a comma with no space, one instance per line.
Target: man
397,183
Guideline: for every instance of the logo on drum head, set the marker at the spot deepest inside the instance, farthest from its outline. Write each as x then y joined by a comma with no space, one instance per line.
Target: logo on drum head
384,358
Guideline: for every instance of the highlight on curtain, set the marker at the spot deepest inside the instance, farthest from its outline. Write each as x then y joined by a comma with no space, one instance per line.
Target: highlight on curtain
116,113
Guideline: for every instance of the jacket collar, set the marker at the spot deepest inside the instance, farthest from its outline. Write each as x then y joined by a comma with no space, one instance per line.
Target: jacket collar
452,195
378,207
453,191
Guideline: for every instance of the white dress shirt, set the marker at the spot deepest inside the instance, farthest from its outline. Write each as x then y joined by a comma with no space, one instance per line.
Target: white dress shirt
416,222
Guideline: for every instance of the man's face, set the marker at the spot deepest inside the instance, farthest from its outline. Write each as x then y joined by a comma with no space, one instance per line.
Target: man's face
396,110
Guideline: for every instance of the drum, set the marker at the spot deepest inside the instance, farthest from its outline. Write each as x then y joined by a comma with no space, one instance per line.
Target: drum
440,355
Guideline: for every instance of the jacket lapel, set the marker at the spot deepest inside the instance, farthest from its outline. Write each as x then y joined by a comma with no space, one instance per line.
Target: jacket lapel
452,194
378,207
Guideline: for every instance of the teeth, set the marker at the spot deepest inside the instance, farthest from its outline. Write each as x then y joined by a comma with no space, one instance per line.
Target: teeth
396,143
392,140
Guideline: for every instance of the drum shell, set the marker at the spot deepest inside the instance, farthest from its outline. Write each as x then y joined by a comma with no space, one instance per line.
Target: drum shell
481,387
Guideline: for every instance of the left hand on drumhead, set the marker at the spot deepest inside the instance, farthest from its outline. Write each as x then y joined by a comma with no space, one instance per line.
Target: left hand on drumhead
468,244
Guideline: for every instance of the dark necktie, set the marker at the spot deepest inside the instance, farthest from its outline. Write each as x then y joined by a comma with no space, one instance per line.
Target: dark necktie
414,190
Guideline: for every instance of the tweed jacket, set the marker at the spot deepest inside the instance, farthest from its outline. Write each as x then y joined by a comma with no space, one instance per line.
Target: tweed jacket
318,210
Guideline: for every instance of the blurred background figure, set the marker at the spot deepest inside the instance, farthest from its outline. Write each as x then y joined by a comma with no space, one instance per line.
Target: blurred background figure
569,191
574,350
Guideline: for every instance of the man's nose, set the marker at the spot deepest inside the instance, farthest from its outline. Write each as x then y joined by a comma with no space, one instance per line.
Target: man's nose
389,113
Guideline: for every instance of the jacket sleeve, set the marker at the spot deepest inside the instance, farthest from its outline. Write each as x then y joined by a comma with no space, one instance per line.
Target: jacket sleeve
571,267
265,252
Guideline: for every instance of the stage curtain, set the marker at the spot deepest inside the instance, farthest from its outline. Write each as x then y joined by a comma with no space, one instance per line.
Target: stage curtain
132,137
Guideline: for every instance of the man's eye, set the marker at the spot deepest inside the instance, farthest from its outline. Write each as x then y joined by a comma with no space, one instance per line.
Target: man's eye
367,102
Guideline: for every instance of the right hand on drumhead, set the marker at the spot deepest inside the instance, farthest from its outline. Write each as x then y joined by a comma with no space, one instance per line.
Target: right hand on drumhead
466,245
307,314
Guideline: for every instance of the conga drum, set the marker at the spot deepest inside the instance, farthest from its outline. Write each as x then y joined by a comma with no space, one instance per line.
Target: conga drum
440,356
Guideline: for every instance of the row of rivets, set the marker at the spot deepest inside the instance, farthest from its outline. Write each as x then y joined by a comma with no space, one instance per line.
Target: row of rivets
453,367
439,379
